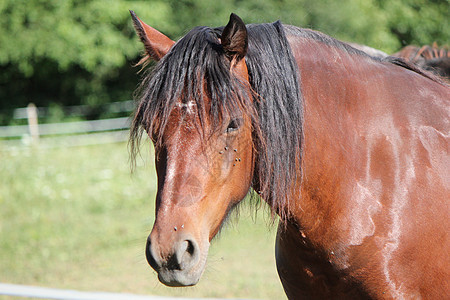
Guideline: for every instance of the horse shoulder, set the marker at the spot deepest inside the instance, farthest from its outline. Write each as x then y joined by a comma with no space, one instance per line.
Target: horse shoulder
307,273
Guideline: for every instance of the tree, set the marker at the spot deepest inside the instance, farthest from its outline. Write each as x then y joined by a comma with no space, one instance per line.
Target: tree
383,24
69,51
82,52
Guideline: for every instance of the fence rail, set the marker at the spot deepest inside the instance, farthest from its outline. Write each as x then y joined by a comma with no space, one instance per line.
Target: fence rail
67,128
48,293
78,110
67,133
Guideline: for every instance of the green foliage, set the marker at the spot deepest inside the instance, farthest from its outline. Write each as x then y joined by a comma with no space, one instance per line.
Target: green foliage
69,51
383,24
418,22
95,35
82,52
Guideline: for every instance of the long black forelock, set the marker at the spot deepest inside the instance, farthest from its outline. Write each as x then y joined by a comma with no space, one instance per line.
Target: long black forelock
193,70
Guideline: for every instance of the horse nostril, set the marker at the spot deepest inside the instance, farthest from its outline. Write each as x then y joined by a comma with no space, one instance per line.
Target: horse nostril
186,254
190,248
150,256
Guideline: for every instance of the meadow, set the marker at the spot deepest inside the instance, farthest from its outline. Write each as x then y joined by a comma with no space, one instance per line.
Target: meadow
77,218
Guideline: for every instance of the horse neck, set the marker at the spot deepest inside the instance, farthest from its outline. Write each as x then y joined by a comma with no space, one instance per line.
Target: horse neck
328,156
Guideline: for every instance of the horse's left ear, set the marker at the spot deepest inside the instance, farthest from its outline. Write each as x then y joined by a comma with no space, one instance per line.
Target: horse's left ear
235,39
156,44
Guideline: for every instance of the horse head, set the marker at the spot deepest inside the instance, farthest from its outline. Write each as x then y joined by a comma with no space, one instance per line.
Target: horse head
204,153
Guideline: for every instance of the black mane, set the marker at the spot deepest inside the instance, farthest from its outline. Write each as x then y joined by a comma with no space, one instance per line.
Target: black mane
323,38
275,77
276,109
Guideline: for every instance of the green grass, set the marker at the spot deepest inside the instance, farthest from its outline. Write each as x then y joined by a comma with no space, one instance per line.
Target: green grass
76,218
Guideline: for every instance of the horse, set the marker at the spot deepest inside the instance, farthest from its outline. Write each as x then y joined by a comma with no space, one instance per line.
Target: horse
431,58
349,151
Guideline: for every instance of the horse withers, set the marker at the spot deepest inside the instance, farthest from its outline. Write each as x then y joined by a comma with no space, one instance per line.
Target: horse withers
351,152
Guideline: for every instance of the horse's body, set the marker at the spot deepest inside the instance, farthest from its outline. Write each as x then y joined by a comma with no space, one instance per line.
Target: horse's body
375,192
366,214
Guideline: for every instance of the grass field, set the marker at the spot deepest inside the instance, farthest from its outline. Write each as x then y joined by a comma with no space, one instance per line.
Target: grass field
76,218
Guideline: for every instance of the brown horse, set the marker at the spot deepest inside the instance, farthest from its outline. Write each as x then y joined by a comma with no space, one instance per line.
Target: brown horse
349,150
431,58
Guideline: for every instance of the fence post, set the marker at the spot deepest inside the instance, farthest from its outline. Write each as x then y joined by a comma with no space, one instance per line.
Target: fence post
33,126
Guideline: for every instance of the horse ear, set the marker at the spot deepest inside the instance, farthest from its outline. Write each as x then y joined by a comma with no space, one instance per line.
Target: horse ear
156,44
235,39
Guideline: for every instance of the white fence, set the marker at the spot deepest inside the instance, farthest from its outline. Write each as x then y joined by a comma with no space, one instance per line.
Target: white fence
79,110
66,128
48,293
67,133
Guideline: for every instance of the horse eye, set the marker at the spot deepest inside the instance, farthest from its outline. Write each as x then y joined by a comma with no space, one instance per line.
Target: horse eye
234,125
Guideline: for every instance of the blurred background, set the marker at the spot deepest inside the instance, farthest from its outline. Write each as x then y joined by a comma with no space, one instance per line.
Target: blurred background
71,213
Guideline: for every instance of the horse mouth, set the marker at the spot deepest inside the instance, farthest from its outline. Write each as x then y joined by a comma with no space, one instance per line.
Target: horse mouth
178,278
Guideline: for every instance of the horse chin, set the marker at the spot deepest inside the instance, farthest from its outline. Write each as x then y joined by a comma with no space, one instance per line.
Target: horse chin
181,278
177,278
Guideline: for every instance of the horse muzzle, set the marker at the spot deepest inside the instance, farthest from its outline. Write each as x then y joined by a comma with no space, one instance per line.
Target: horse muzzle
182,265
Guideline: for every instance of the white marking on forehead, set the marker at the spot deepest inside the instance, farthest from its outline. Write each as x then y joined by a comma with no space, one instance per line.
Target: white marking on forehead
190,106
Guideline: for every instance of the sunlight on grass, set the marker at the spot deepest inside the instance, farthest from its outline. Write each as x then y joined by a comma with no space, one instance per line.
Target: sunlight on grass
77,218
